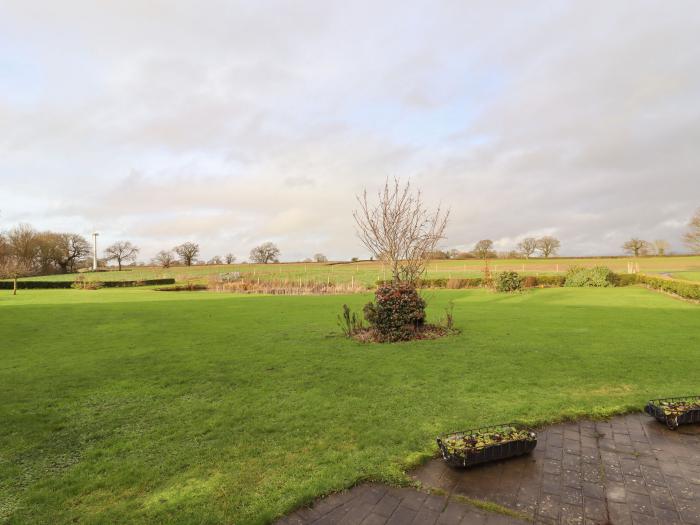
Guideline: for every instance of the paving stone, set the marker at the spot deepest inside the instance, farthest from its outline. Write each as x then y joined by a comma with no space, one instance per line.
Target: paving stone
387,505
595,510
640,503
629,470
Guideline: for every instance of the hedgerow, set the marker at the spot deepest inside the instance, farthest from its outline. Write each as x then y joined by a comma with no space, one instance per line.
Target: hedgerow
681,288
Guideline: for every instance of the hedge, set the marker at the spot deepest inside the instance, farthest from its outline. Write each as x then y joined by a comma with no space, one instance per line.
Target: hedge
529,281
680,288
26,285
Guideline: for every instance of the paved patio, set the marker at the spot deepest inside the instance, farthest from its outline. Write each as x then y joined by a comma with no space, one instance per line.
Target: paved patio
628,470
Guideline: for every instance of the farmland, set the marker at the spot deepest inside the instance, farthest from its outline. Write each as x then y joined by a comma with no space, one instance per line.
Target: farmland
368,272
134,406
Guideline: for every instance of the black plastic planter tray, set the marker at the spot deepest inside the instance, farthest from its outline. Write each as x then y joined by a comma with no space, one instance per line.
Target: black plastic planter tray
493,452
655,409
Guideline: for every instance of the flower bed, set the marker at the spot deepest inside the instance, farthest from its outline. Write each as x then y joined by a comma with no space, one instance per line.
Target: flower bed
481,445
674,411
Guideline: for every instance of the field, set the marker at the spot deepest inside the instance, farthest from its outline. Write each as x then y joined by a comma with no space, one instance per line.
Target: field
368,272
136,406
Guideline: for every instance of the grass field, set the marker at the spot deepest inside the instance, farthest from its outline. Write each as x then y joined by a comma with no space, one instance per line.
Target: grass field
369,272
135,406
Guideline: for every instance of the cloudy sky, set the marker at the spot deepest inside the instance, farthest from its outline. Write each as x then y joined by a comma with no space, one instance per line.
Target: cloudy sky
235,123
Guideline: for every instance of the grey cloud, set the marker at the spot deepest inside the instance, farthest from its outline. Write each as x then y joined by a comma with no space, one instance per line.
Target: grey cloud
238,122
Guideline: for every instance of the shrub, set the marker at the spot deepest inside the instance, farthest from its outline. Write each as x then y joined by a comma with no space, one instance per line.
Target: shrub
529,281
598,276
625,279
470,282
551,280
83,284
349,322
507,282
398,312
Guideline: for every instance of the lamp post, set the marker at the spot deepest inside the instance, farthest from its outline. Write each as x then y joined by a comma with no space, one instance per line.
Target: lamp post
94,252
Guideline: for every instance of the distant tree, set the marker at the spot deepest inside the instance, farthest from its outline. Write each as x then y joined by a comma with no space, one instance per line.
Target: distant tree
267,252
187,252
70,250
527,246
230,258
308,260
453,253
121,251
12,267
661,247
354,259
692,236
4,248
164,258
484,249
215,260
23,241
439,255
548,245
636,247
320,258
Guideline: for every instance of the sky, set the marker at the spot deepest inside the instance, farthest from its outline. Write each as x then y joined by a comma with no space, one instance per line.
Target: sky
233,123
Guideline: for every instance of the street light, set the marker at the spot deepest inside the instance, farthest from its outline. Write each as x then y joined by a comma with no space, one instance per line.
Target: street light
94,252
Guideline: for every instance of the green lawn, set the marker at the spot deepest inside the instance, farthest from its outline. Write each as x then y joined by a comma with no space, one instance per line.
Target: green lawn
687,276
131,406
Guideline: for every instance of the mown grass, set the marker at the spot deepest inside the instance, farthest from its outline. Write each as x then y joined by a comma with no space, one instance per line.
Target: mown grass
368,272
135,406
687,276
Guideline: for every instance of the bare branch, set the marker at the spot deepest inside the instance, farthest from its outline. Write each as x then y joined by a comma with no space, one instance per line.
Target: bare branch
399,230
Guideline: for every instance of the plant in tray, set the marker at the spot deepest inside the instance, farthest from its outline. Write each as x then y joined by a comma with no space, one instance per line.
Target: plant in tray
675,411
465,443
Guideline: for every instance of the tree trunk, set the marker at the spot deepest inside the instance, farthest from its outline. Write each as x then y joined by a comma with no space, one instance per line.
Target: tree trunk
119,264
14,286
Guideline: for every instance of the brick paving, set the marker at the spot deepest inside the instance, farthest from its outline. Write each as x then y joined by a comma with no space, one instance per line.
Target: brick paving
629,470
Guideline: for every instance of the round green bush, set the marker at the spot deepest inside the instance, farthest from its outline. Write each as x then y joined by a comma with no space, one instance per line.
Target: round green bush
508,282
598,276
397,313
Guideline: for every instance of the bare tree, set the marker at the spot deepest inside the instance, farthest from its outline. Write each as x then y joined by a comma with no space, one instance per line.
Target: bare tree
661,247
230,258
548,245
320,258
528,246
267,252
484,249
13,267
23,241
187,252
70,250
164,258
121,251
215,260
4,249
692,236
399,229
636,247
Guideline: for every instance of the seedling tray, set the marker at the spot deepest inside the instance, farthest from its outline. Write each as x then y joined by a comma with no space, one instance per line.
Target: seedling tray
469,456
659,408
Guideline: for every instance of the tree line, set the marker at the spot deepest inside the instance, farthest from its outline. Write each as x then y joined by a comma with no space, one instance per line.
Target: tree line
27,251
